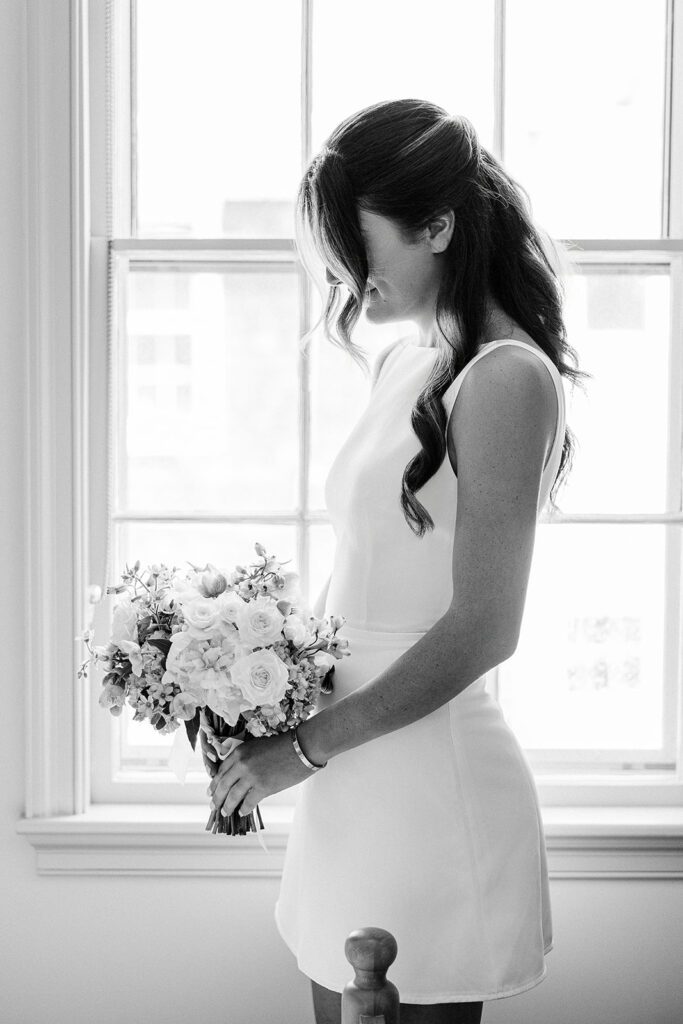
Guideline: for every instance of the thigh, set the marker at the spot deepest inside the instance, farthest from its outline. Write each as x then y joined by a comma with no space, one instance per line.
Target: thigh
326,1004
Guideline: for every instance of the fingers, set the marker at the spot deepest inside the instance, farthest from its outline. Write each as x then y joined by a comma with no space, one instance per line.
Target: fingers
224,778
209,758
235,797
248,803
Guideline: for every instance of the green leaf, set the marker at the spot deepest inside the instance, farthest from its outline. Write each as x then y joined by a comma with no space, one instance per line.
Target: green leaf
161,644
192,728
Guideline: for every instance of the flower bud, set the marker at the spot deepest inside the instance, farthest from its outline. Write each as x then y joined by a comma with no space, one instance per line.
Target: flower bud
213,583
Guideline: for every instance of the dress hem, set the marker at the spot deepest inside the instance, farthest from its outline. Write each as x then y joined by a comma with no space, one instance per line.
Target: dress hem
420,998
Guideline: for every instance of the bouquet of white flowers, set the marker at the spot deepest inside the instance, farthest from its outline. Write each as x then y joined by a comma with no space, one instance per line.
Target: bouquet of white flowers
230,654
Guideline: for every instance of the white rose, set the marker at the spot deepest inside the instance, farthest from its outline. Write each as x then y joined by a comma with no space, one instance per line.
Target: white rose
200,615
124,624
260,622
262,678
228,605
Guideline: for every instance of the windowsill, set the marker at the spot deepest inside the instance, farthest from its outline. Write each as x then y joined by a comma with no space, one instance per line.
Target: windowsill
170,839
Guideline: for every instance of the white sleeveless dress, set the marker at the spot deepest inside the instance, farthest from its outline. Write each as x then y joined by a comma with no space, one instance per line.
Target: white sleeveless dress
432,831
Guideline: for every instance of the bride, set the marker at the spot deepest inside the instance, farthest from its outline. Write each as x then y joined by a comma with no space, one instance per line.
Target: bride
418,811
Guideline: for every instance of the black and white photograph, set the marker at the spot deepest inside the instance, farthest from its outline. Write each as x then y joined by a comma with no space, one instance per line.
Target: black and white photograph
342,511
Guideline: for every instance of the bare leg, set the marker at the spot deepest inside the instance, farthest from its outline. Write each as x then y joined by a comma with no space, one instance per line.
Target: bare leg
326,1004
327,1009
441,1013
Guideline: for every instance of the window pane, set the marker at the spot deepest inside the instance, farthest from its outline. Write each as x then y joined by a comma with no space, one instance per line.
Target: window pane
584,113
224,544
217,117
209,390
618,321
589,668
386,50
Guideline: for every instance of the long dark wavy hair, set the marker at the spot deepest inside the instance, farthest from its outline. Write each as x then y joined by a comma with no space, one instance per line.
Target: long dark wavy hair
411,161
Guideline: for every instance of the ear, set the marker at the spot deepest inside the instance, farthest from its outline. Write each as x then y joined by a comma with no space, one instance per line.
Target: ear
440,231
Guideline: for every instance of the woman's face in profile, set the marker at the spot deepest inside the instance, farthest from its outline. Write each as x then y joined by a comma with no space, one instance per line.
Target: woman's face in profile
403,278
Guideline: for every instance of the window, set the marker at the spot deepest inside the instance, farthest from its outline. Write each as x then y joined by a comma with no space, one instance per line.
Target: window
210,303
593,690
201,248
165,260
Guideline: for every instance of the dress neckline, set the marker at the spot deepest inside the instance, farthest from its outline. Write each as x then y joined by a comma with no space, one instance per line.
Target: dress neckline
407,343
434,348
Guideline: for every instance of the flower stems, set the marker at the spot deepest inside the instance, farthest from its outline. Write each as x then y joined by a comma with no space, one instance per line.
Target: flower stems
233,824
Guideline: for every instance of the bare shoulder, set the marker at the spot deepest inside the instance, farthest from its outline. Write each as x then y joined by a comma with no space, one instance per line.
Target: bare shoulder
505,412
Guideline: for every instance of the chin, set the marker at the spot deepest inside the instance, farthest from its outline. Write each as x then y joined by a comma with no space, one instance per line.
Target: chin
377,312
378,318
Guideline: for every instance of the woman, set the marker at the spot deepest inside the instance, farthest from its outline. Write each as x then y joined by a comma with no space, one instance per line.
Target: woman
420,813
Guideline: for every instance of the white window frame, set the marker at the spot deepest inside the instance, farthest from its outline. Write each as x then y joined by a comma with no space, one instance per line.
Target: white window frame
617,829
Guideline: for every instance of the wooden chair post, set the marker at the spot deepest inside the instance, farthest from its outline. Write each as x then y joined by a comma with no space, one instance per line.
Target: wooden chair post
370,998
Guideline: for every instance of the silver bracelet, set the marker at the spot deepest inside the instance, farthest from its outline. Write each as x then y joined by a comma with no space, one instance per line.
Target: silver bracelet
302,756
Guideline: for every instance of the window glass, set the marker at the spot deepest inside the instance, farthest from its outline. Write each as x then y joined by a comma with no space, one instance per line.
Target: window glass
218,123
584,113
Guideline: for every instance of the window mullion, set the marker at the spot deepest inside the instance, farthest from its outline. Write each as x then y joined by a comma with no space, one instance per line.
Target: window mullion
498,145
673,695
672,204
303,534
120,172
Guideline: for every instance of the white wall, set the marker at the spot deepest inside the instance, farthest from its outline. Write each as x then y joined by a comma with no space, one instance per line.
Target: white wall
169,950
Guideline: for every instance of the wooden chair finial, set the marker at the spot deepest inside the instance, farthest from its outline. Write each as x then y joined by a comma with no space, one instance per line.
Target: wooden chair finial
370,998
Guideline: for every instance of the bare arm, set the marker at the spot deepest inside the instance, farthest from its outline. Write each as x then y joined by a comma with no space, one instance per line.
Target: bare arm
504,421
443,662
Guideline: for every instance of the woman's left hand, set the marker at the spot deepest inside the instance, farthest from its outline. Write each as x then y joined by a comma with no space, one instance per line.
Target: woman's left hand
254,770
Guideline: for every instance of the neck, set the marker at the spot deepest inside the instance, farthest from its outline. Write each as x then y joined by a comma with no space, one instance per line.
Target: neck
498,325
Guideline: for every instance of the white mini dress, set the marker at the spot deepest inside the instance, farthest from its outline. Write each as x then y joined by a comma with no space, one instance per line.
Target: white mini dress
432,831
